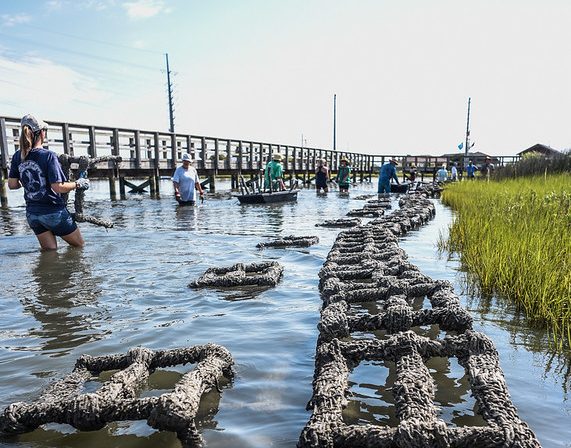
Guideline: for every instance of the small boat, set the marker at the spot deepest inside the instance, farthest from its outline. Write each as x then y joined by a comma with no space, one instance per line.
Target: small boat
403,187
268,198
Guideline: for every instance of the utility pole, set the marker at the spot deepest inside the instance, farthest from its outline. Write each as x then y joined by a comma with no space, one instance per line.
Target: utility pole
169,87
467,147
334,121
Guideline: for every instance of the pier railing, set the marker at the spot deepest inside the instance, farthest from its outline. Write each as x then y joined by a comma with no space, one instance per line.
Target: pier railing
143,150
151,154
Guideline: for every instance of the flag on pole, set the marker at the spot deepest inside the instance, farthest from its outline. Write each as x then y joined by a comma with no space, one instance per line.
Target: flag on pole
461,146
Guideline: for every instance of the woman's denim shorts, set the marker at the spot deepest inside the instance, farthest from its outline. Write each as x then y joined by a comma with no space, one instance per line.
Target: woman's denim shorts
60,223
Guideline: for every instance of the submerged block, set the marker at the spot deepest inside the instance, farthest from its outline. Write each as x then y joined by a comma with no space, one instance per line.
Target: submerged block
343,222
254,274
366,264
116,400
290,241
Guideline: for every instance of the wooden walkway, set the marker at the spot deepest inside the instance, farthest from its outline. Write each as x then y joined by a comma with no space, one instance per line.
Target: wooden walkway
149,155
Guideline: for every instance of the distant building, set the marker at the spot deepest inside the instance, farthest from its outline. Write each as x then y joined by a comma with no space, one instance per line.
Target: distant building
422,163
477,157
539,150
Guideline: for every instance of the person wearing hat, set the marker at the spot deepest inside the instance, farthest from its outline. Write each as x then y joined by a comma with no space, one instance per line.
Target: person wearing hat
411,174
321,176
274,173
185,180
38,170
343,177
442,174
387,172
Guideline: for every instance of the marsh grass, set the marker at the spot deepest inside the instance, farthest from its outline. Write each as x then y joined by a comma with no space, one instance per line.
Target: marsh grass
535,165
515,237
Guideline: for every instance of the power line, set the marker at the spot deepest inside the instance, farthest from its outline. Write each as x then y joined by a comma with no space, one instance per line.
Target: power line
101,42
92,72
96,89
79,53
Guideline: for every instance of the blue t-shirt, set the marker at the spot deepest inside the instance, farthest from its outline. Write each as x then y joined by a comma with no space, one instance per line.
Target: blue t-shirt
36,174
387,172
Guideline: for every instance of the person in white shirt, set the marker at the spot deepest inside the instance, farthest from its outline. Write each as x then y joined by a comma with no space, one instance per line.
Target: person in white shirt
185,181
454,171
442,174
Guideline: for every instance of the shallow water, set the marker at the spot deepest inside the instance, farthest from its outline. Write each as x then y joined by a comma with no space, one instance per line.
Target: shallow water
128,287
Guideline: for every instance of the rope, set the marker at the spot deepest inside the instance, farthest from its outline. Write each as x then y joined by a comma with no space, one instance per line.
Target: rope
76,167
290,241
344,222
116,400
365,264
255,274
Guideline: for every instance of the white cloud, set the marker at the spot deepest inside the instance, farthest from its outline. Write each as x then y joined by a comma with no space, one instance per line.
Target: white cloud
61,93
97,5
53,5
15,19
143,9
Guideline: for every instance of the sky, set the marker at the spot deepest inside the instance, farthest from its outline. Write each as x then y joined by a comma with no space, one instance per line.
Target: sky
267,70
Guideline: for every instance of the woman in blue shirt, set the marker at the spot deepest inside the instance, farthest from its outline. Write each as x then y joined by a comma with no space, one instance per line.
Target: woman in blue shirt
38,170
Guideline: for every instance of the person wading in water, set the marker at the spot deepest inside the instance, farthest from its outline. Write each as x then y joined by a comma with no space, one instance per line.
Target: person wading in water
344,175
38,170
185,181
321,176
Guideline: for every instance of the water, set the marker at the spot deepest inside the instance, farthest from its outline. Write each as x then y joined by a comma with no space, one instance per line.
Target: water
128,287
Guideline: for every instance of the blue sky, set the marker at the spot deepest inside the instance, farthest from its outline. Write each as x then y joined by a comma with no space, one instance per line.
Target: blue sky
267,70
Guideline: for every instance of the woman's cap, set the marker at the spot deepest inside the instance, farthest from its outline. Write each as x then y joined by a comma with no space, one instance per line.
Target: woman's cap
344,159
277,156
186,157
34,123
395,161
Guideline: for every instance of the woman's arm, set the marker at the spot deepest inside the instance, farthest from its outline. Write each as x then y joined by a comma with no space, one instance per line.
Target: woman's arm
63,187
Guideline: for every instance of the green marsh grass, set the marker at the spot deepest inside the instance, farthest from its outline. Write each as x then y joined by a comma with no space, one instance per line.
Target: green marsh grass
515,237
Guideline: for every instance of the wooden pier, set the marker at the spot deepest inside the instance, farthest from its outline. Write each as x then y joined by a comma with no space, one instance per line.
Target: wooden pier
148,155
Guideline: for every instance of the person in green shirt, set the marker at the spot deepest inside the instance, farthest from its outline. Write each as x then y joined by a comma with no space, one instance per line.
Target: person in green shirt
343,178
274,173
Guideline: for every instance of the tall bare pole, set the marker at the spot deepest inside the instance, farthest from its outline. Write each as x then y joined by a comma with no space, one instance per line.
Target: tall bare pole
334,121
169,87
467,147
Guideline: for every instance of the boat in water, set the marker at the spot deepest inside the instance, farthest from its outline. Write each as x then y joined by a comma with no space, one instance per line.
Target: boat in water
252,193
268,197
403,187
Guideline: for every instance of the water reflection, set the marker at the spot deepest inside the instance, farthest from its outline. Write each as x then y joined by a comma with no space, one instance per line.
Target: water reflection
187,218
505,314
243,292
133,433
371,383
273,214
65,291
8,222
